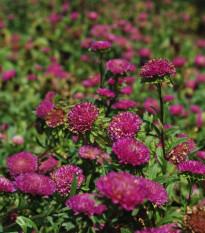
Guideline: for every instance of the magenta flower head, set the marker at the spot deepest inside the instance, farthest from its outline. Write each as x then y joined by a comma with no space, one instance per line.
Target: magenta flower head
17,139
56,117
155,192
34,184
200,60
122,188
50,95
63,177
131,151
157,70
48,165
106,92
101,46
149,103
119,66
124,104
124,125
168,98
6,185
127,90
145,52
176,109
44,108
81,117
193,167
195,108
22,162
179,61
9,74
169,228
82,203
201,154
89,152
92,15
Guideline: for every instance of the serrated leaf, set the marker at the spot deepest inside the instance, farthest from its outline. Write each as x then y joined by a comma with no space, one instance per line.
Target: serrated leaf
153,171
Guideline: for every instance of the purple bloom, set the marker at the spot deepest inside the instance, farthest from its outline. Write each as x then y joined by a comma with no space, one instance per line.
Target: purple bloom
92,15
89,152
155,192
17,139
50,95
200,60
127,90
101,45
6,185
35,183
176,109
131,151
179,61
9,74
119,66
168,98
157,68
145,52
23,162
195,108
32,77
63,177
124,125
82,203
56,117
48,165
169,228
129,80
122,188
82,116
124,104
201,154
191,166
106,92
149,103
105,156
44,108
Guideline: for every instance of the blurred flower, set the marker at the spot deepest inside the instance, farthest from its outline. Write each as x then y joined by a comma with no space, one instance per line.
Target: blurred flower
169,228
92,15
194,220
66,6
63,177
200,78
176,109
145,52
89,152
17,139
6,185
127,90
56,117
122,188
124,125
48,165
200,60
201,43
179,61
50,95
44,108
22,162
124,104
191,84
74,15
2,24
201,154
99,30
119,66
38,67
149,103
32,77
35,184
191,166
157,68
82,203
200,121
78,95
104,156
168,98
9,74
86,43
131,151
101,45
106,92
195,108
82,116
129,80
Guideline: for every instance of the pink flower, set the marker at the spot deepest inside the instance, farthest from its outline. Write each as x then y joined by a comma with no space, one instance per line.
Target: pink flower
74,15
195,108
32,77
78,95
127,90
92,15
200,60
169,228
149,103
101,45
145,52
48,165
192,166
179,61
44,108
124,104
124,125
168,98
7,185
201,154
17,139
9,74
106,92
176,109
89,152
119,66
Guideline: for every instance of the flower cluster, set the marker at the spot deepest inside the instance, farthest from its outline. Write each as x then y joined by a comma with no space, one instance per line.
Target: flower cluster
82,116
191,166
22,162
119,66
6,185
48,165
157,68
101,45
44,108
34,184
89,152
169,228
122,188
56,117
124,125
124,104
131,151
106,92
82,203
63,177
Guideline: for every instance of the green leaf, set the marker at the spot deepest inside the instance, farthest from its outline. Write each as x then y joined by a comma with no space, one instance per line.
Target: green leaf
68,225
88,180
135,211
124,230
153,171
92,138
26,222
74,185
170,218
164,179
176,143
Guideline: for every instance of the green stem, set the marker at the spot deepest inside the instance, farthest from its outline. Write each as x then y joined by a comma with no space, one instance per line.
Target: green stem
159,90
191,187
